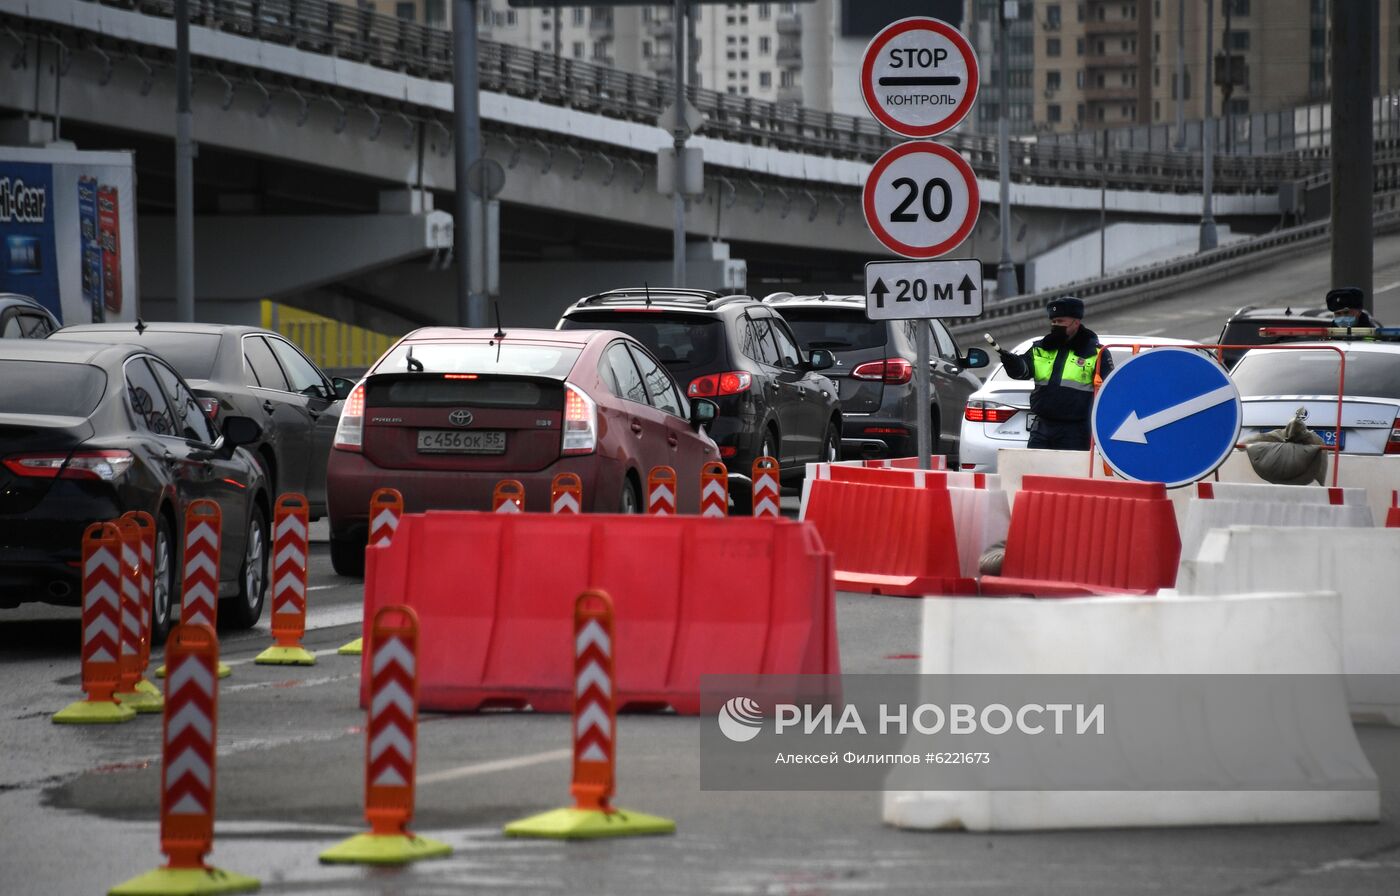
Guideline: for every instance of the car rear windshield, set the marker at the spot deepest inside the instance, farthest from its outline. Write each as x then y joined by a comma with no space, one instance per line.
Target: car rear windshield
50,387
505,357
192,354
431,391
680,341
835,329
1303,372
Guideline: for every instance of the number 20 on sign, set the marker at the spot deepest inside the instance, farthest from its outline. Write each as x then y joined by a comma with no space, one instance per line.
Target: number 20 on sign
921,199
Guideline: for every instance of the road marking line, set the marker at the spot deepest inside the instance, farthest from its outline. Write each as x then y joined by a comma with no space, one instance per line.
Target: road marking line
495,765
1388,287
321,587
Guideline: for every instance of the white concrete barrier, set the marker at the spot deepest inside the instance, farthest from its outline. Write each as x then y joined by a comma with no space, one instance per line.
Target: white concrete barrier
1250,634
1362,566
1205,514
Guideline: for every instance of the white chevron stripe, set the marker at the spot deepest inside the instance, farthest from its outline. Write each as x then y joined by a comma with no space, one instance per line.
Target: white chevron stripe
392,650
387,519
389,777
196,614
508,506
102,625
290,523
286,607
188,805
592,634
148,553
189,716
715,488
566,499
713,511
594,753
131,622
202,532
766,506
392,694
593,717
291,552
391,738
104,593
189,762
593,675
191,671
201,563
103,559
103,655
662,493
766,481
289,583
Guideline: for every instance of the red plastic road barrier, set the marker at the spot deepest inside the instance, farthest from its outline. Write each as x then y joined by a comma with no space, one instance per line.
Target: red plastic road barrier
595,713
102,588
385,509
147,525
1392,516
188,754
203,538
767,494
391,739
714,490
290,538
1205,491
566,494
506,640
509,497
893,540
130,553
661,491
907,478
1071,537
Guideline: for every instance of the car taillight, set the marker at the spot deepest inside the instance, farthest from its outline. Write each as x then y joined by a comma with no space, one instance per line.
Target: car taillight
988,412
891,371
730,383
580,422
350,432
211,407
1392,444
103,465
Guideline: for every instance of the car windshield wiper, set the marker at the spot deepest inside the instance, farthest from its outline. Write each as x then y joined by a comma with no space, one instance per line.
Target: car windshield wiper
830,344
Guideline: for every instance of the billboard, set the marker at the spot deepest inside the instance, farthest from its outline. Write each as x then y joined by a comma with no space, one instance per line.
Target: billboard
865,18
68,231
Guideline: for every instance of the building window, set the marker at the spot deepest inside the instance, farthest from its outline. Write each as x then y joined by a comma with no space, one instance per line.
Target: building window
435,12
579,14
765,79
1241,7
406,11
1239,40
1052,17
647,49
511,17
1156,77
1052,47
786,78
1237,107
578,49
1052,80
1079,81
765,45
1079,46
1052,113
765,11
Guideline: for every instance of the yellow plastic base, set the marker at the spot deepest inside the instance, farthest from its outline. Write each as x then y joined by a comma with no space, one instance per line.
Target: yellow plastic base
224,671
186,882
354,648
145,687
583,824
285,656
92,712
141,701
385,849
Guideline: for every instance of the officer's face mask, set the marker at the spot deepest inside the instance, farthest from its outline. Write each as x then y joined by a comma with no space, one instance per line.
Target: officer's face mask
1344,321
1058,335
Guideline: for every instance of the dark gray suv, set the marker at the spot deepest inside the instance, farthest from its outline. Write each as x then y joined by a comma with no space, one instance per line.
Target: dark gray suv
874,372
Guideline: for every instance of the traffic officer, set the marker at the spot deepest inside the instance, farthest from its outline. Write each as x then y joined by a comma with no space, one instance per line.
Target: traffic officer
1063,365
1347,304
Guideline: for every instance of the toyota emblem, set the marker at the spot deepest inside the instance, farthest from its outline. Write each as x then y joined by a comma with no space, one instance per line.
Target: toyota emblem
460,418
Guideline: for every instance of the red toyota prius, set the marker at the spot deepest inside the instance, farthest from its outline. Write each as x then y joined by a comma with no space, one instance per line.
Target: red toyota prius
447,413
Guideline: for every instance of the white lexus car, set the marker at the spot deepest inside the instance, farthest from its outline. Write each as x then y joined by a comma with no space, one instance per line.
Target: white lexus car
995,416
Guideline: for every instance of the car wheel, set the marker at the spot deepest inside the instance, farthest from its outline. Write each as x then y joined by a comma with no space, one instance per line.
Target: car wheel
348,557
628,501
245,608
831,444
164,587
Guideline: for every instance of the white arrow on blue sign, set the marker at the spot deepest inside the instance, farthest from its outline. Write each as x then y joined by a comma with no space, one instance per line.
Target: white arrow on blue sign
1167,415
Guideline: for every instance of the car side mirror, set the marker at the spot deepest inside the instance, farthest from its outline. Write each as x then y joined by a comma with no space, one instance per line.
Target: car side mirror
240,431
702,412
343,387
820,359
976,357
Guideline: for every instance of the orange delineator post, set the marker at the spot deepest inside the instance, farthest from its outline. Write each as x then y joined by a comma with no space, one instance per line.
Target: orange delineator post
130,561
714,490
203,541
595,707
290,537
385,511
1392,516
147,525
391,748
661,491
767,493
566,494
101,621
509,497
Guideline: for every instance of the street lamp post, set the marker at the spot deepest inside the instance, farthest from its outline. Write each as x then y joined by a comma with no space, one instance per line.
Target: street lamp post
679,134
184,168
1006,271
1209,240
466,113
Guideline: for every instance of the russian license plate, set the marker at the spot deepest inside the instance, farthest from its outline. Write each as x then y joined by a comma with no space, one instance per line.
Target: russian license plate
456,441
1330,438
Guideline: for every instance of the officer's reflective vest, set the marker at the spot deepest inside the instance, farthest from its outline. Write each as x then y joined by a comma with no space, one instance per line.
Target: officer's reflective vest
1078,373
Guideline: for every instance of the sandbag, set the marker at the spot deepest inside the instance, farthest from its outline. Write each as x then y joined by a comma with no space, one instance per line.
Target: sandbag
1294,455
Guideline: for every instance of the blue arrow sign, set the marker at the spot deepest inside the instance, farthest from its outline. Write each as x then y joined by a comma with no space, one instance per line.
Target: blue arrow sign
1167,415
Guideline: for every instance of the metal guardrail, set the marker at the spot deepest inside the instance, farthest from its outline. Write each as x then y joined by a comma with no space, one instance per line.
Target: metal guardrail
347,32
1018,314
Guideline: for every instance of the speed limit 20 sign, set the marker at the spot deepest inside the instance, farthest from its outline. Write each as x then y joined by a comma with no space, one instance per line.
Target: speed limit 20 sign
921,199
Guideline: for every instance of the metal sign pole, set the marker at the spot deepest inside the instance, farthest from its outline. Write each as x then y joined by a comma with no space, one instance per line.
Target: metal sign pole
679,133
925,440
471,308
184,168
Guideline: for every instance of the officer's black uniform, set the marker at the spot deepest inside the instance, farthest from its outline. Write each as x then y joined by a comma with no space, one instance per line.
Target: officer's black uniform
1061,404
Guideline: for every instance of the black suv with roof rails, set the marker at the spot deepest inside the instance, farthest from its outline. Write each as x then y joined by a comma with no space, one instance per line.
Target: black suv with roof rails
739,354
1242,328
875,361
